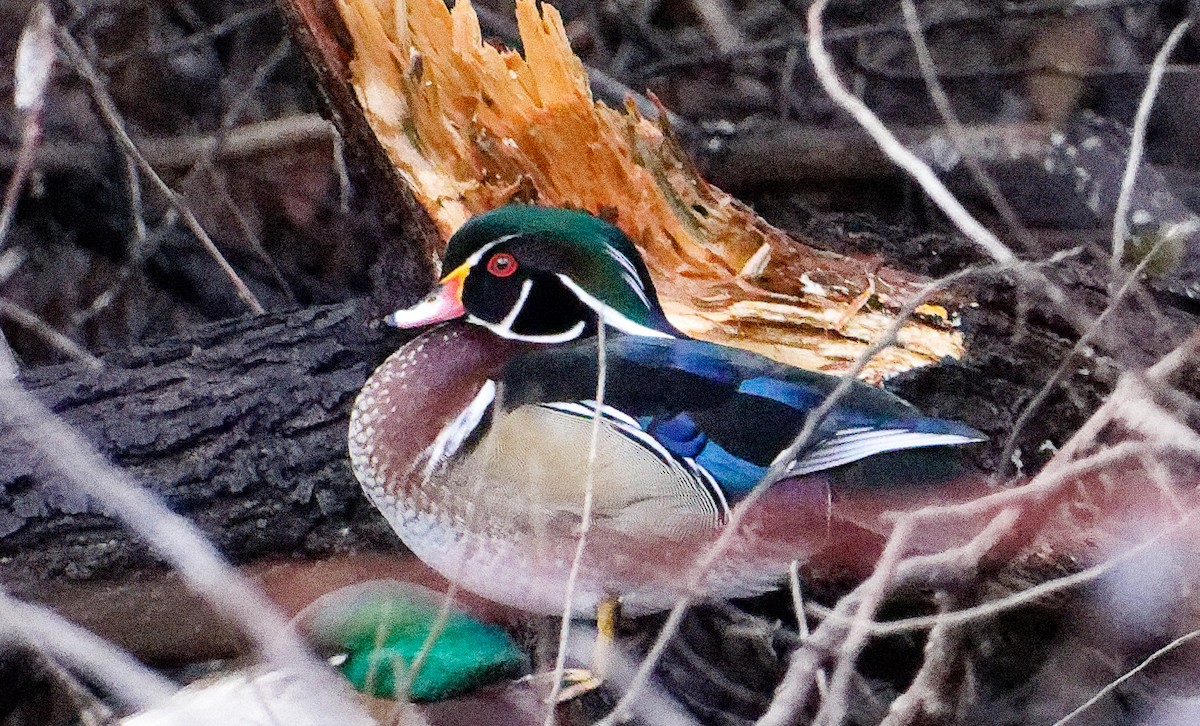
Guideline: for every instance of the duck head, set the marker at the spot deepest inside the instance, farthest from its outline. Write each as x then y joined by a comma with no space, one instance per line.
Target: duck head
542,275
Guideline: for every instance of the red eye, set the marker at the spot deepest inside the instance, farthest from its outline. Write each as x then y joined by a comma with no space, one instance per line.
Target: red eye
502,264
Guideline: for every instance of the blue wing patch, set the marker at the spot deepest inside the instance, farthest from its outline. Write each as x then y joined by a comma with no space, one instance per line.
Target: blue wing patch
685,356
679,434
794,395
736,476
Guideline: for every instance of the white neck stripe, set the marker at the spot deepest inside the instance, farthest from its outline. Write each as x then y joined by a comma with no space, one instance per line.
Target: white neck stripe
570,334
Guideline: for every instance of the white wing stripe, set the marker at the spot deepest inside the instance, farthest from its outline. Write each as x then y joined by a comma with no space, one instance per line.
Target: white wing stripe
845,450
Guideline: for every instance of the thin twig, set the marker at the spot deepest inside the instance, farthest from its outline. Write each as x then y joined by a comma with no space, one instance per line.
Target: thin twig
8,360
950,14
31,133
206,163
1169,364
339,165
777,471
798,599
925,694
1181,640
802,622
585,524
1007,603
1003,507
30,321
11,260
262,137
221,183
1065,366
957,132
435,631
1137,144
204,37
833,635
925,176
133,184
102,662
173,152
112,117
714,15
34,62
258,79
918,170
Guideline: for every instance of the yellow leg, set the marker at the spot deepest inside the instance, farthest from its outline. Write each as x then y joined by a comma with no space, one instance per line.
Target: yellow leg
583,680
607,613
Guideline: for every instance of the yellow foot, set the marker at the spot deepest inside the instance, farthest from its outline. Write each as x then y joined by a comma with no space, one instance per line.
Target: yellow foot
578,681
575,682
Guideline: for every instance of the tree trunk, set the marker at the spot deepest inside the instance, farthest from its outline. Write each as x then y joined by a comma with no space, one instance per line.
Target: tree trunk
240,426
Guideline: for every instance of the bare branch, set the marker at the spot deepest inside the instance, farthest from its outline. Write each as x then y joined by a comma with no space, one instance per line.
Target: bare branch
108,110
958,135
927,692
1181,640
27,319
35,60
921,173
1138,142
585,524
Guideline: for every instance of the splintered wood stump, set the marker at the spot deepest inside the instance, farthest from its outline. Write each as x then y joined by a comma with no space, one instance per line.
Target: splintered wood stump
462,127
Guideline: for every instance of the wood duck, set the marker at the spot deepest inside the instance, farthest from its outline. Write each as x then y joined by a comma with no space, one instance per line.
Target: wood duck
475,438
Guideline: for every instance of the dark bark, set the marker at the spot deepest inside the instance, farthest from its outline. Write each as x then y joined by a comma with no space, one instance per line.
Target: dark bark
317,28
239,426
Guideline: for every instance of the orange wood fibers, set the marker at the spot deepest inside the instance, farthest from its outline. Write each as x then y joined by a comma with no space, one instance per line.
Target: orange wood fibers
470,127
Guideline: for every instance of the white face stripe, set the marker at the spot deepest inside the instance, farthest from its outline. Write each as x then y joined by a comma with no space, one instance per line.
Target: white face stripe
504,327
511,318
478,254
610,315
